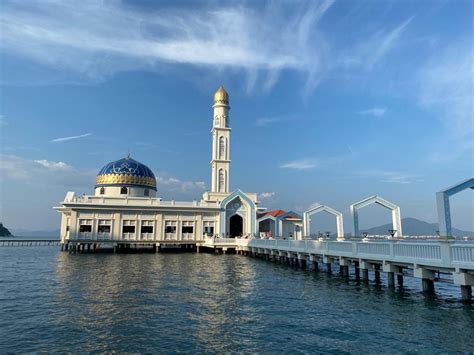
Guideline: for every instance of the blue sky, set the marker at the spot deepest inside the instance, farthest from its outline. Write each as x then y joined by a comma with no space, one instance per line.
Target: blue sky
332,101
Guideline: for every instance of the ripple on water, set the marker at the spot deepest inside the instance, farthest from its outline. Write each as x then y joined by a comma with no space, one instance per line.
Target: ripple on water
52,301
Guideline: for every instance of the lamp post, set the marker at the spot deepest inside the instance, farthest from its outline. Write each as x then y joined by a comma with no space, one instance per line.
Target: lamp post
365,236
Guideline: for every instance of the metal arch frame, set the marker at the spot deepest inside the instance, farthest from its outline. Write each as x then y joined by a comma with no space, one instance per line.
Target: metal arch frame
322,208
396,218
442,204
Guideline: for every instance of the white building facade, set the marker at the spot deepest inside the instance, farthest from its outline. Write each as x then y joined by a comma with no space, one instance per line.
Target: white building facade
126,208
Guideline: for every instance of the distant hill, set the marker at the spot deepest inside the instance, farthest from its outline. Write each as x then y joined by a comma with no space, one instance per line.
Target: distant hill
4,232
415,227
36,234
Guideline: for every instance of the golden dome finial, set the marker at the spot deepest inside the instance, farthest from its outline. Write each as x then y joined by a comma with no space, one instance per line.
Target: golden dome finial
221,96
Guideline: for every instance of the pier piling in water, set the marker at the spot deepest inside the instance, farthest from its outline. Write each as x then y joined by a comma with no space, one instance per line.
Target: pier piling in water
466,293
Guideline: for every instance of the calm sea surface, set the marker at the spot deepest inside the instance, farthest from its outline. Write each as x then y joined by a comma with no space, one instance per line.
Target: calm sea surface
53,301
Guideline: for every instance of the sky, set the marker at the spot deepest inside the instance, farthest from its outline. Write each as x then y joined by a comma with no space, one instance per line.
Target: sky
332,101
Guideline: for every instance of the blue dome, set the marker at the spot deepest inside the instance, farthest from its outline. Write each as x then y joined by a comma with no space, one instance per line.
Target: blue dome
126,172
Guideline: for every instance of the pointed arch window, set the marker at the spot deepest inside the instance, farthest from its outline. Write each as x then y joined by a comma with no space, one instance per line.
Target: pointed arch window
123,190
221,180
221,148
102,190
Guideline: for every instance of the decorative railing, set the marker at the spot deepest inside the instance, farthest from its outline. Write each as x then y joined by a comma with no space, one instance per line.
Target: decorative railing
373,248
462,254
443,253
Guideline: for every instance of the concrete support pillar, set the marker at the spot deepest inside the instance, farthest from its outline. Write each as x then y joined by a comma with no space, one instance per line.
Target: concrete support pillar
400,280
357,270
315,265
377,273
428,285
466,293
364,265
391,279
465,281
427,278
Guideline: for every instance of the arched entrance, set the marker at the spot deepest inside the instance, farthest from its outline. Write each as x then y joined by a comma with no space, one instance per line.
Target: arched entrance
236,226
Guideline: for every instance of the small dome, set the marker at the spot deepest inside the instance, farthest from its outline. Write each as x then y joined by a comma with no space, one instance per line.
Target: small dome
221,96
126,172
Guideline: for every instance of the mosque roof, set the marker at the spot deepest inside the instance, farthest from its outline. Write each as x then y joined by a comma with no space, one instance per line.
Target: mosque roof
277,213
126,172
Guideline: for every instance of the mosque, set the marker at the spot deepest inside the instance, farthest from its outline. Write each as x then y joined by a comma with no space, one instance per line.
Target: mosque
126,208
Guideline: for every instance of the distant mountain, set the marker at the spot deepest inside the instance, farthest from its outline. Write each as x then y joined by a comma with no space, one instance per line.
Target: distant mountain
4,232
415,227
36,234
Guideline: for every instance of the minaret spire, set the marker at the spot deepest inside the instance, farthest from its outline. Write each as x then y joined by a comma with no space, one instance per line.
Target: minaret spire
220,163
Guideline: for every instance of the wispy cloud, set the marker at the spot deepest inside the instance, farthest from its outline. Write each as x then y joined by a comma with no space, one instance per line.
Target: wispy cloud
371,50
446,87
266,121
152,146
314,205
64,139
303,164
96,39
374,111
392,177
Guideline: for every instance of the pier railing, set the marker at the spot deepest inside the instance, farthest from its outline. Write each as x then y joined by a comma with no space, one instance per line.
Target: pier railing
449,254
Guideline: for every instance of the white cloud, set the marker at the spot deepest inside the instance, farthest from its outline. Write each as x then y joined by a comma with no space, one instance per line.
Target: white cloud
63,139
53,165
173,184
44,172
96,39
266,195
303,164
374,111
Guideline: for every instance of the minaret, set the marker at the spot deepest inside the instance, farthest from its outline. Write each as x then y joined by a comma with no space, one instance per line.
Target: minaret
220,163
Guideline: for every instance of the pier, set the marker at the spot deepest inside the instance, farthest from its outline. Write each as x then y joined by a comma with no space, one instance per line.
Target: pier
425,260
28,242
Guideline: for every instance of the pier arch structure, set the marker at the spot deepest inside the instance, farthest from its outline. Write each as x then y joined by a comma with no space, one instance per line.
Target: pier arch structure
339,220
396,218
444,211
